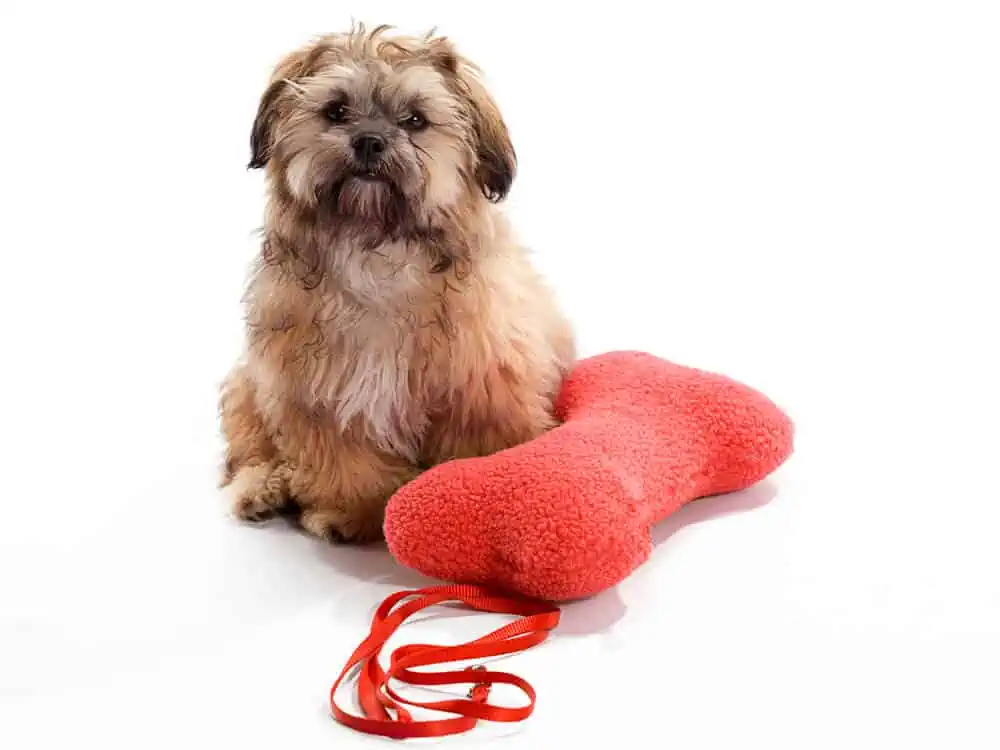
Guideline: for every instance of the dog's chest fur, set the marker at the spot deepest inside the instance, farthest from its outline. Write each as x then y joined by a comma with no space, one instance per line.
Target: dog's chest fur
378,330
380,322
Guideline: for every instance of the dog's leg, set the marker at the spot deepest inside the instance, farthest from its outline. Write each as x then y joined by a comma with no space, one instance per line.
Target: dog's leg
256,487
483,434
504,412
340,482
511,389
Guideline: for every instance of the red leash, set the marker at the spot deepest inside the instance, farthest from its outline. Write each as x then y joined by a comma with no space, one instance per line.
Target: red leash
383,713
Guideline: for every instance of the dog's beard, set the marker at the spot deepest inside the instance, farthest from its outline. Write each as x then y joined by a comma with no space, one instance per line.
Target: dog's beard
373,199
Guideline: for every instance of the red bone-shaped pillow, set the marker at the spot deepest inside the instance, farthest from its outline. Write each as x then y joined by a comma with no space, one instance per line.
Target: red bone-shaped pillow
569,513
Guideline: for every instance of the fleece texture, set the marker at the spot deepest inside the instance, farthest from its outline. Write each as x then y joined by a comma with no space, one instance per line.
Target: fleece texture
568,514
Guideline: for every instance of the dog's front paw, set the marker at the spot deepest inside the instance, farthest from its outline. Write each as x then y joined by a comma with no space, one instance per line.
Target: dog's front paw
340,527
258,493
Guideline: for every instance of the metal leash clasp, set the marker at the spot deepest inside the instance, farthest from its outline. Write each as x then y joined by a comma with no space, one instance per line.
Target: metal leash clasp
472,690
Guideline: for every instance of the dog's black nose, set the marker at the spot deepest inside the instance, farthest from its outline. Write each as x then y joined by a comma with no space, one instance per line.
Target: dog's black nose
368,147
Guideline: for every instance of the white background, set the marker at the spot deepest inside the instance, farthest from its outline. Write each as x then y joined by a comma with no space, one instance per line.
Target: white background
803,195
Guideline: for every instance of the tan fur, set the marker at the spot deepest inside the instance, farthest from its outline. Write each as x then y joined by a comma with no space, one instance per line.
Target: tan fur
392,325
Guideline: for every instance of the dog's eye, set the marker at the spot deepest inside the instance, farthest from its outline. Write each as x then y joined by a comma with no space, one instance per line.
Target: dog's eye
336,112
415,121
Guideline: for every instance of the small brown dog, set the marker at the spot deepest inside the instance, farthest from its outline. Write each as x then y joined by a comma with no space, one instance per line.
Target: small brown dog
393,322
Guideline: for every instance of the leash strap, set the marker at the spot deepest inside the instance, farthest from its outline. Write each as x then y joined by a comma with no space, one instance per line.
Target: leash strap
382,707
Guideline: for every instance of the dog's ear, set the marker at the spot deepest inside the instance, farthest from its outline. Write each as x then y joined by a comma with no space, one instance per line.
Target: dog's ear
262,133
497,158
293,68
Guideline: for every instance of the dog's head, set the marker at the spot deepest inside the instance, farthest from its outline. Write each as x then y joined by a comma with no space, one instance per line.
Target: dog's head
382,129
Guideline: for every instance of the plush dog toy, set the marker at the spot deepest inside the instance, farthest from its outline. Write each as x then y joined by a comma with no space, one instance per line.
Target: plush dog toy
569,514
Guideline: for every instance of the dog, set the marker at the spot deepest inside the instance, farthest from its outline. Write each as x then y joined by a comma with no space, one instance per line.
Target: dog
393,321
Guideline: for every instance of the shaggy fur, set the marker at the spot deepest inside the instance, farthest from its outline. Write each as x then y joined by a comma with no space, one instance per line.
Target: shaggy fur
393,322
